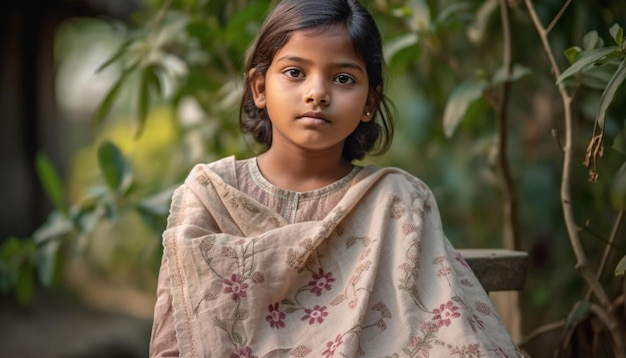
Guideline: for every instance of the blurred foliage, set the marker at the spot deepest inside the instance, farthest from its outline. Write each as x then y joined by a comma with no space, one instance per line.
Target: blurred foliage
175,99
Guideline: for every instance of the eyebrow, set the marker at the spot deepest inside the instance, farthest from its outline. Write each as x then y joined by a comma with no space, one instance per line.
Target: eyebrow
351,65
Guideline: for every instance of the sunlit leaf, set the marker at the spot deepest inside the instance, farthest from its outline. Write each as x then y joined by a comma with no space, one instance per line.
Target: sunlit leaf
56,226
458,102
114,167
398,44
585,60
51,181
617,32
609,92
620,269
572,53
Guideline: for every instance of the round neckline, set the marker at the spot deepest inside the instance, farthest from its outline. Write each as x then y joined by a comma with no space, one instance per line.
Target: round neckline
267,186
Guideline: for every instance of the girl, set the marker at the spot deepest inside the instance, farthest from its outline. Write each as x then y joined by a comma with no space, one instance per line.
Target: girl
299,253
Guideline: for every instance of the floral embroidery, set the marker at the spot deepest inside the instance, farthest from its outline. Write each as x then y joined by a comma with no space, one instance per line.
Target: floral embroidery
331,346
483,308
445,313
236,286
321,281
317,314
276,317
300,352
444,271
243,352
468,351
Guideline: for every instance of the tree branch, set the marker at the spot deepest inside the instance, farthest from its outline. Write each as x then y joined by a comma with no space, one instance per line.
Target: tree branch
566,201
511,227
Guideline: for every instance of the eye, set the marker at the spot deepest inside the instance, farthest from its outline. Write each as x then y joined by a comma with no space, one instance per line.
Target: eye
293,72
344,79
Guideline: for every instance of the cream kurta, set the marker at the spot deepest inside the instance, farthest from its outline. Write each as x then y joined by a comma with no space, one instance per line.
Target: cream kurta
375,277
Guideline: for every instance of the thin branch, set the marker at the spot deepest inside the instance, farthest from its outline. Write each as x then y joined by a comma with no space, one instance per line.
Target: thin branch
542,330
558,16
511,227
566,201
608,249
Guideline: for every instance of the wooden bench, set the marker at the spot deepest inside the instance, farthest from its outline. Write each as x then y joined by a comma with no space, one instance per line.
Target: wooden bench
498,269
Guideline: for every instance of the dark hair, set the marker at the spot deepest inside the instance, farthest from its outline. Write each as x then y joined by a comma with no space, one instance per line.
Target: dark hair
293,15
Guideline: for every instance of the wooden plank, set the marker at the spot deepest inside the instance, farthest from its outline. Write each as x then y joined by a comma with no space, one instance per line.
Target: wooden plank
497,269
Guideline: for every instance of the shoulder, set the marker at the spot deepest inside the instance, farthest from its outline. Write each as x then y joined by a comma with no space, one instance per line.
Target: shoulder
221,170
396,178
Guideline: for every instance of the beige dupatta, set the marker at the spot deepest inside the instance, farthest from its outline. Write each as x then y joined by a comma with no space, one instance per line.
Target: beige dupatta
375,278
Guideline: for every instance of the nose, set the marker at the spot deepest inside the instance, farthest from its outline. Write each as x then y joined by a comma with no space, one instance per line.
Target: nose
317,93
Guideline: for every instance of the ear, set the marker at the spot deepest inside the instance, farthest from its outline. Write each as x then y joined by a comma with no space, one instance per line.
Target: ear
257,86
373,98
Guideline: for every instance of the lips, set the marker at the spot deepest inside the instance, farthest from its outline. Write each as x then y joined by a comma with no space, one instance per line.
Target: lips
314,117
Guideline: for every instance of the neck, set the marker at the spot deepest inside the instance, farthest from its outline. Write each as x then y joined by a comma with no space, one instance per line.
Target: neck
297,171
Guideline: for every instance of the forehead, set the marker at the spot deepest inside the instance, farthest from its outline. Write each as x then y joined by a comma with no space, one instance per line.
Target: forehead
324,42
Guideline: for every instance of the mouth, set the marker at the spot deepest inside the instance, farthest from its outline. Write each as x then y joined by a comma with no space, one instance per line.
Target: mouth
315,117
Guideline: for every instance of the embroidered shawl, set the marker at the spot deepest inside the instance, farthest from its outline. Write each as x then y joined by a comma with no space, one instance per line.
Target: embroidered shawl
375,278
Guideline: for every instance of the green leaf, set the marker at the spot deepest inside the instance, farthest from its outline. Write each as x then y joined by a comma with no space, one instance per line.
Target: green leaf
47,262
118,54
398,44
460,99
609,92
476,30
56,226
597,77
572,53
114,167
620,269
51,181
110,98
617,33
585,60
143,99
518,71
590,40
578,312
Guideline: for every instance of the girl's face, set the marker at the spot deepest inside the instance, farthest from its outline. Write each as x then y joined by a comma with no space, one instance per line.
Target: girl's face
316,91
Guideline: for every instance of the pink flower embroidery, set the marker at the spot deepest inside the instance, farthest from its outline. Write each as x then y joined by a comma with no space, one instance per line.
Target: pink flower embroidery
236,286
321,281
445,313
243,352
316,314
276,317
331,346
